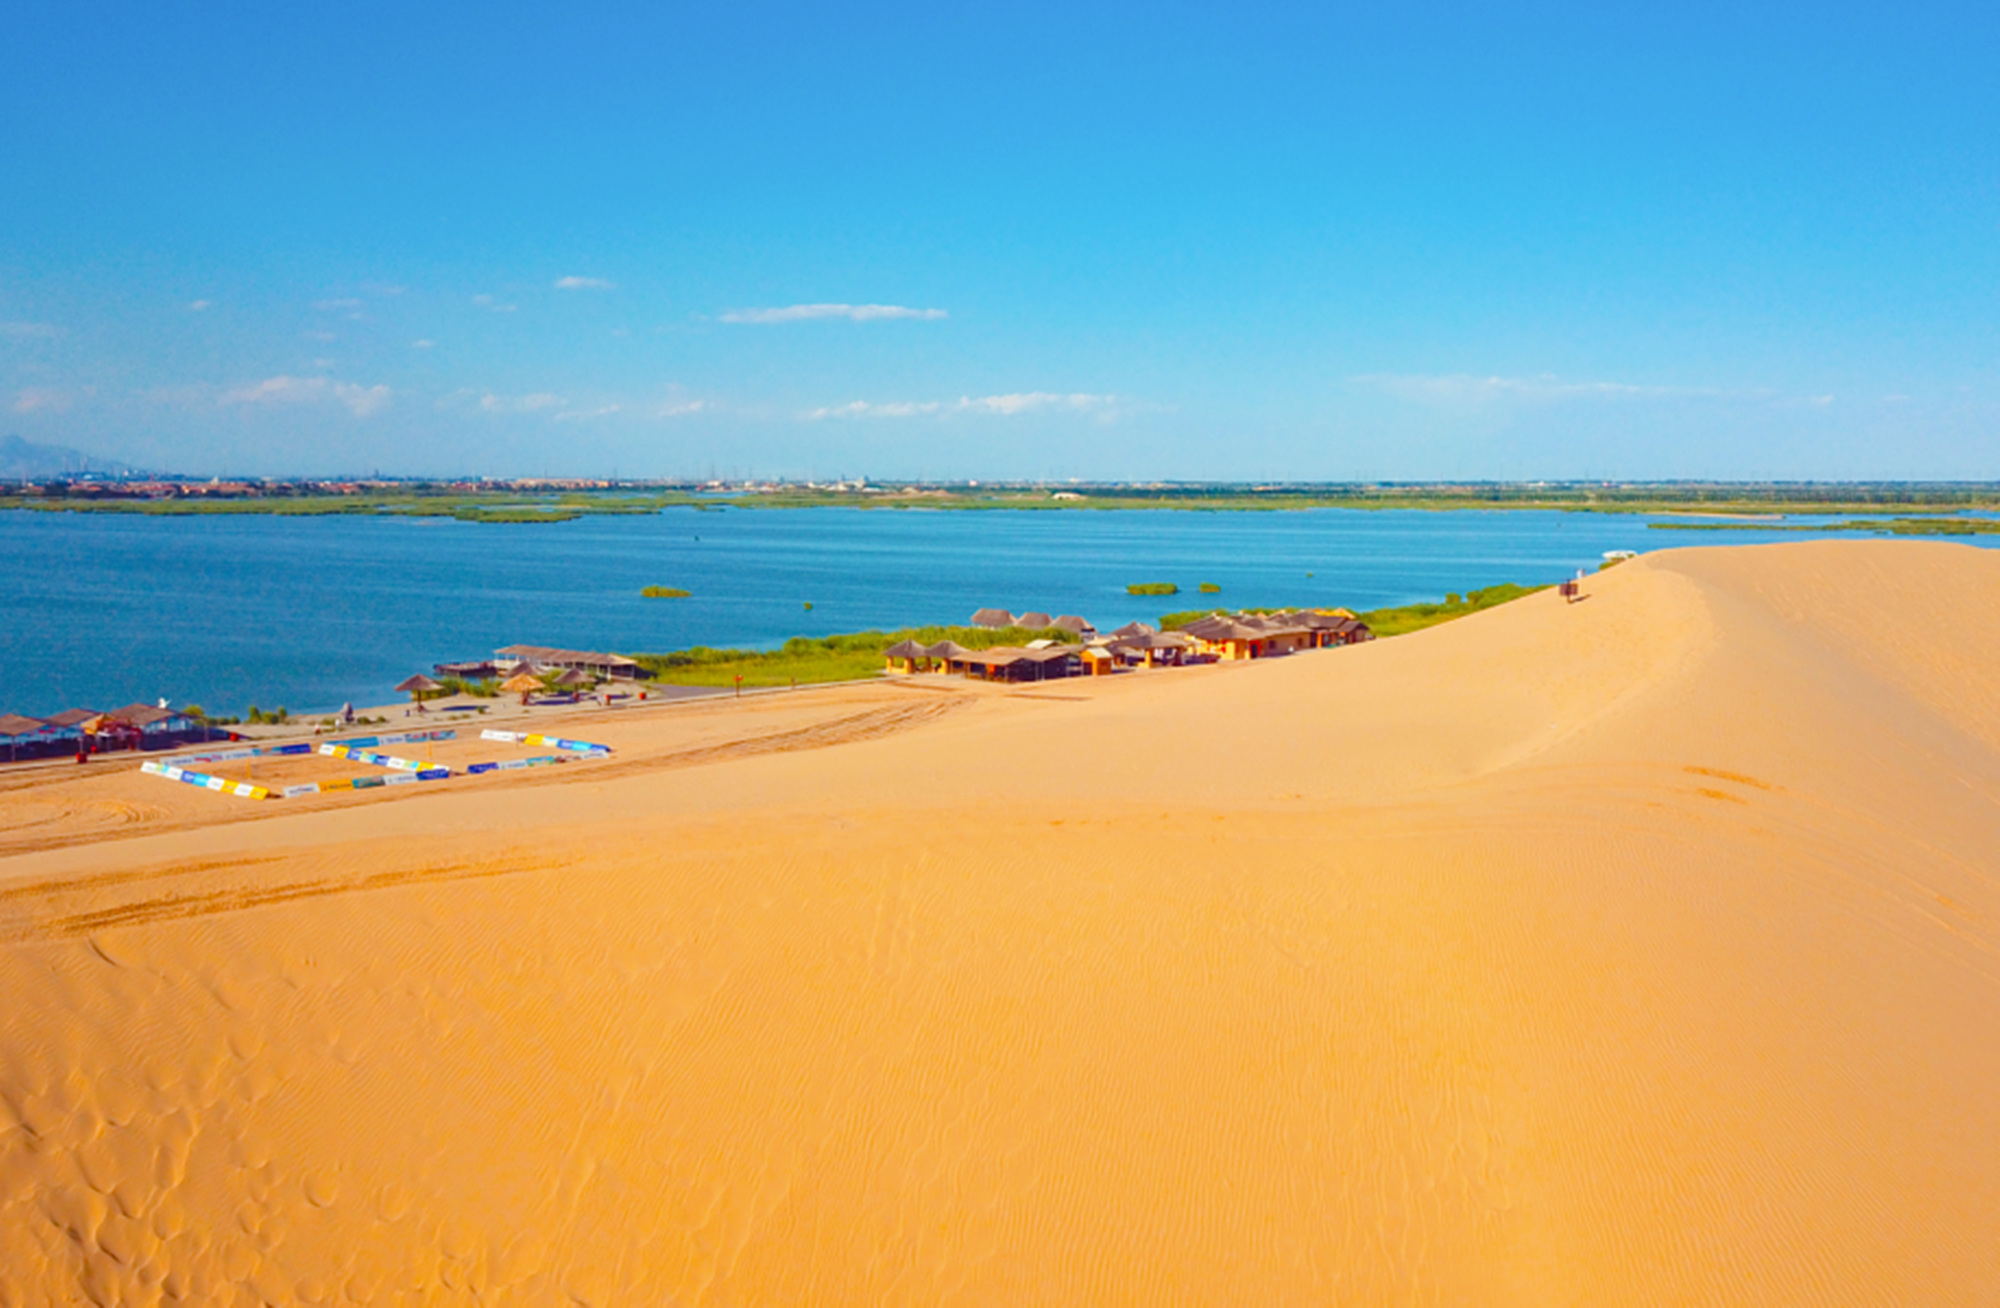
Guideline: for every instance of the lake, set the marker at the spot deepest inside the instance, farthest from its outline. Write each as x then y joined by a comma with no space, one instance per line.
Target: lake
100,610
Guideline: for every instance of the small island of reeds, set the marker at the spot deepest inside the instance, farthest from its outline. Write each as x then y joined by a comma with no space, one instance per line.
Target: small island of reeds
664,592
1153,588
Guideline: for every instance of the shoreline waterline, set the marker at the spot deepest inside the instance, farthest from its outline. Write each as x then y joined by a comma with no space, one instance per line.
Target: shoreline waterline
229,610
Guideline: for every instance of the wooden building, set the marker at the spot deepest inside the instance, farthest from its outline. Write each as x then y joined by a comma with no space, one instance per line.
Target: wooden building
1237,636
909,654
610,667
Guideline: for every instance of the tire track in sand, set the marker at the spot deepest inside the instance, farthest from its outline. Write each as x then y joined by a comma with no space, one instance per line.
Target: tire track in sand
188,891
201,900
871,724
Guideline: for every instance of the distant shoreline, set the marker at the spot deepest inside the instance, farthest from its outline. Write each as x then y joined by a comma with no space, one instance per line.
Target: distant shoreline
539,502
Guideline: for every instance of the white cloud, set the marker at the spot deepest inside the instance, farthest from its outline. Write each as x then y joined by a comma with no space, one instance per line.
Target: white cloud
363,400
863,409
423,345
534,403
582,284
680,408
1027,403
852,312
492,305
22,331
37,399
360,400
201,306
336,306
585,415
1001,405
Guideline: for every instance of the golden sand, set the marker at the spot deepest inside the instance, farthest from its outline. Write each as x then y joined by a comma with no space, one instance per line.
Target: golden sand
1638,950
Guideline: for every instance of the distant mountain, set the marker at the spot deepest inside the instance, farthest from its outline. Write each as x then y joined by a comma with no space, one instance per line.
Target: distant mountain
22,460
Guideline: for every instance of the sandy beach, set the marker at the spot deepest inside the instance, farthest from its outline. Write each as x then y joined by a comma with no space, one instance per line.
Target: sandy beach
1640,950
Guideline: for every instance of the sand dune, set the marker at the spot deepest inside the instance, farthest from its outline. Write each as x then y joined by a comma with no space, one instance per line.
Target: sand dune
1640,950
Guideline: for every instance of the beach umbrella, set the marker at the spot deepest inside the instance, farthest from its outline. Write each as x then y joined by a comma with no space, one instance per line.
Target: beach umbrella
574,677
523,683
417,687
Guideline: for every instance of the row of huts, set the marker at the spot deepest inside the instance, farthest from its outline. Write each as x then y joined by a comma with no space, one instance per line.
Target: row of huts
506,662
80,731
1219,637
1033,621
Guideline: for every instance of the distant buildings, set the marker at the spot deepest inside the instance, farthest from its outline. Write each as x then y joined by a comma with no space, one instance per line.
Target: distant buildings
1219,637
1033,621
89,731
608,667
1234,636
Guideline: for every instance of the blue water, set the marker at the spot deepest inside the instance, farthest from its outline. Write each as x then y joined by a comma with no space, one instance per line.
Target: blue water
100,610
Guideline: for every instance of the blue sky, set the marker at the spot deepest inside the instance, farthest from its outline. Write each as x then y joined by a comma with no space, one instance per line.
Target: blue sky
1021,240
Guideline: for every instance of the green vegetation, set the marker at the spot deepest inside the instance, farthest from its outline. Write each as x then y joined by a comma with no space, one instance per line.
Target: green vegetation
1153,588
809,660
528,504
415,500
483,688
1590,497
1392,621
1210,588
276,717
1414,617
1937,526
664,592
517,515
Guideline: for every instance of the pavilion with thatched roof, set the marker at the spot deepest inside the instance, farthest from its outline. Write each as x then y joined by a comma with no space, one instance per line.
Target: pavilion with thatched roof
416,688
908,653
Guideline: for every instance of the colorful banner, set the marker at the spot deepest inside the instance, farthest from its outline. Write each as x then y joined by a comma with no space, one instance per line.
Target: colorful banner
366,783
221,785
547,742
378,760
266,751
509,765
402,738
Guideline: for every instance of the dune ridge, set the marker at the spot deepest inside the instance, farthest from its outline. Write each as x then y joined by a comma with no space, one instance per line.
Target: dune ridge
1640,950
